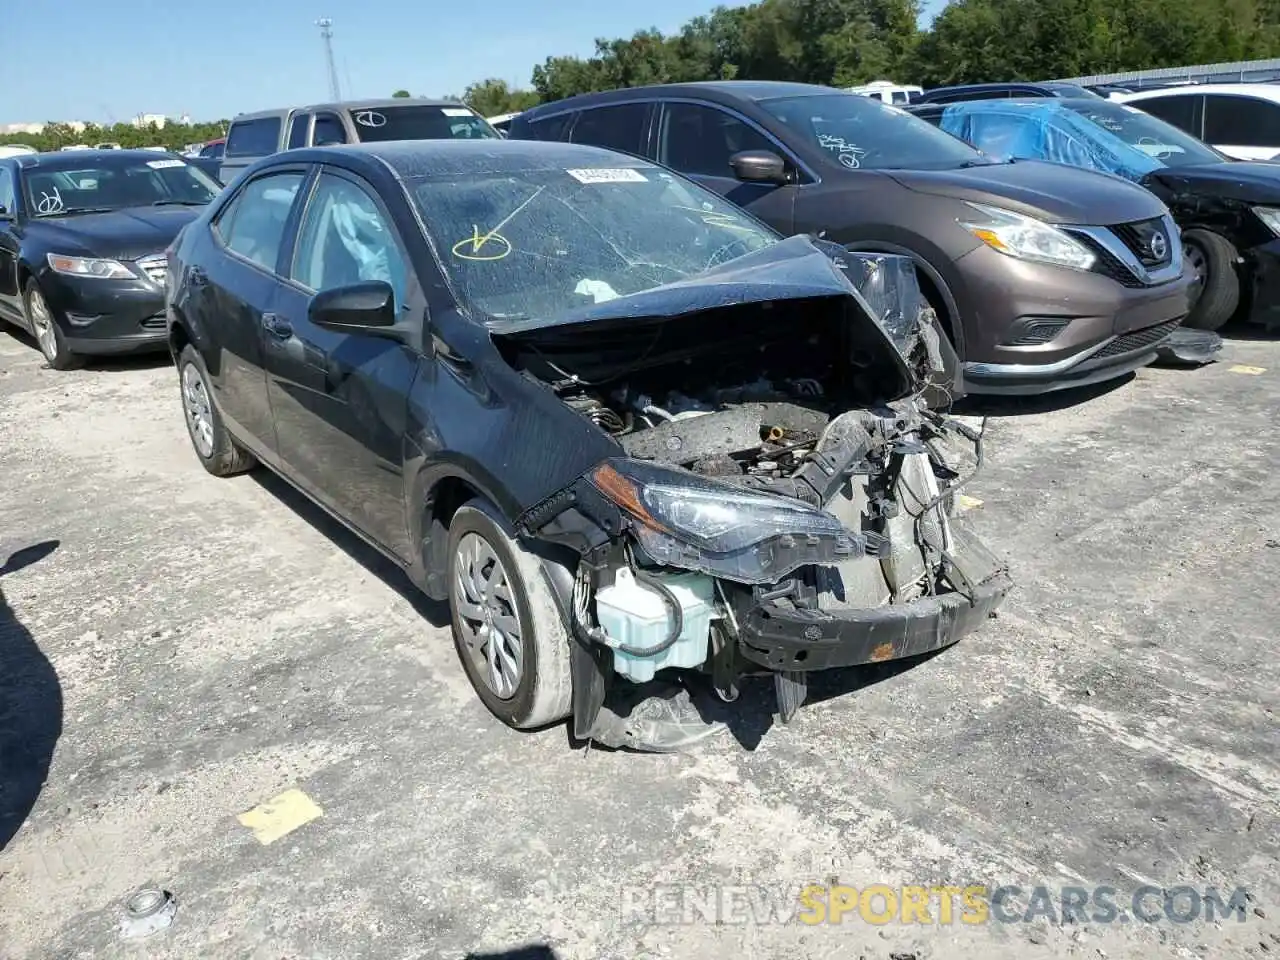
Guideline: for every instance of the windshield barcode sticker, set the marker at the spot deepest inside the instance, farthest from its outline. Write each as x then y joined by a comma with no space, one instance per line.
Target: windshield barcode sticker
455,111
607,175
165,164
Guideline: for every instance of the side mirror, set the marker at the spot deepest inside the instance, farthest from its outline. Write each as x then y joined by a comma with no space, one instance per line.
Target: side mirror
759,166
365,307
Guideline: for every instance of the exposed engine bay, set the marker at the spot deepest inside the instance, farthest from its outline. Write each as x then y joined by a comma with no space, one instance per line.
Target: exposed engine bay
780,503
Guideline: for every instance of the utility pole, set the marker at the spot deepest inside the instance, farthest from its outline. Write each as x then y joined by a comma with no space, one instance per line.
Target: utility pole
326,34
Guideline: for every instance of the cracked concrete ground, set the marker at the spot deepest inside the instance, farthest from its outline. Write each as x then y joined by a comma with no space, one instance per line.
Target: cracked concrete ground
179,649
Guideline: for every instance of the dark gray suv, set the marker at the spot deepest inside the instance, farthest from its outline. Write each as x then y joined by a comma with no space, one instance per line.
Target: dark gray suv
1044,276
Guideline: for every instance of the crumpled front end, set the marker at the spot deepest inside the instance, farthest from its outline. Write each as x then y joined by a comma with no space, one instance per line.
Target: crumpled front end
766,513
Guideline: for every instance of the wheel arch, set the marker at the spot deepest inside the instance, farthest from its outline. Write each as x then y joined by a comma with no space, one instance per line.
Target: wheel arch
932,284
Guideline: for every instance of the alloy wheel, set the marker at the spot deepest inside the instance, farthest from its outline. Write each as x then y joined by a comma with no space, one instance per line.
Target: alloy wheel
490,623
42,321
195,404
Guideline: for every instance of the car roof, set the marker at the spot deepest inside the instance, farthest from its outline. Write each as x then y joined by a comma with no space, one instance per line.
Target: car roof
724,91
415,159
1259,91
378,104
67,159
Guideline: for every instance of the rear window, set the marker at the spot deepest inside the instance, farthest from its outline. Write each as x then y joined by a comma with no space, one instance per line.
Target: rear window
421,122
253,138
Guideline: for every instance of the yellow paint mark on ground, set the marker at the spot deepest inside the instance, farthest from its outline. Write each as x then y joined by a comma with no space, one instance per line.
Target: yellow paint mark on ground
280,816
968,503
1243,368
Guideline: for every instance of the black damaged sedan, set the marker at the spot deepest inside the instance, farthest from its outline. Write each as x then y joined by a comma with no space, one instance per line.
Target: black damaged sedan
642,445
83,236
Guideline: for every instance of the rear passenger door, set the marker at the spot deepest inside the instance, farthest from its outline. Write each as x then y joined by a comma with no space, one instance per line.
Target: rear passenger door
698,139
235,292
1247,128
340,400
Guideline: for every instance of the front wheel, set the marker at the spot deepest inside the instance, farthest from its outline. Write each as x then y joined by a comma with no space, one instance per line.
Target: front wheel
506,624
48,334
216,448
1213,260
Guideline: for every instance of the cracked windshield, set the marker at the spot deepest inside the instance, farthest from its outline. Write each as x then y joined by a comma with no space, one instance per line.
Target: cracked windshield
538,243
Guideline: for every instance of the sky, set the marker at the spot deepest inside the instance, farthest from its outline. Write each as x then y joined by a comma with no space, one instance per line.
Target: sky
103,63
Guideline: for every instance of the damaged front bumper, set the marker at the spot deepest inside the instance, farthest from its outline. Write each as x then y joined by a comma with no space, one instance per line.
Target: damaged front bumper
800,641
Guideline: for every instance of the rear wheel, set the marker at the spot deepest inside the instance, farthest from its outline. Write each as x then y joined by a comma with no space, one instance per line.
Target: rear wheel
217,450
1216,294
47,332
506,624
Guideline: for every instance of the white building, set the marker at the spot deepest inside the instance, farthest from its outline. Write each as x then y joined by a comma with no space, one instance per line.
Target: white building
146,119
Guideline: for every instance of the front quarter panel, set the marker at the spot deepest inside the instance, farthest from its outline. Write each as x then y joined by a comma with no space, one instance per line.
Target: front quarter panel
474,419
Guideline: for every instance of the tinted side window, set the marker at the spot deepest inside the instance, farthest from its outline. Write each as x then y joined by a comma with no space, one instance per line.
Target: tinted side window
298,130
1179,111
698,139
214,150
253,138
8,195
328,130
552,128
1241,121
253,223
620,127
344,239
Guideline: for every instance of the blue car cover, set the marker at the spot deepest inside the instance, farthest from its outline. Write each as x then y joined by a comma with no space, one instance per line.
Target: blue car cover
1044,130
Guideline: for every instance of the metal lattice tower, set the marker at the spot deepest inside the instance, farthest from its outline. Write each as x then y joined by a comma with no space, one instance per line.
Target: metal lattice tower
326,34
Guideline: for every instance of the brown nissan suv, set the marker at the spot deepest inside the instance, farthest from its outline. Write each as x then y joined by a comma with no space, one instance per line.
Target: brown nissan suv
1044,276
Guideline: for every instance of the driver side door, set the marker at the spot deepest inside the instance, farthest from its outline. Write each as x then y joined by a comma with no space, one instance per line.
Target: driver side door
698,139
10,295
340,401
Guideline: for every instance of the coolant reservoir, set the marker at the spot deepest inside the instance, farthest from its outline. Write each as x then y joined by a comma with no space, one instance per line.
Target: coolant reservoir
637,616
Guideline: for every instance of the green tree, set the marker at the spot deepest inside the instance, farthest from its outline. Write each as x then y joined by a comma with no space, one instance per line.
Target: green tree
401,94
493,96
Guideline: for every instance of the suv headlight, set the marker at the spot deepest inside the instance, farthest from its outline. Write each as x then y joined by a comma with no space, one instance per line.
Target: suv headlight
1026,237
683,520
90,267
1270,216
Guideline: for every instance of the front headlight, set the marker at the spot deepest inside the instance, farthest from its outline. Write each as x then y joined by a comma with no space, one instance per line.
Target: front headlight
1270,216
1027,238
90,267
683,520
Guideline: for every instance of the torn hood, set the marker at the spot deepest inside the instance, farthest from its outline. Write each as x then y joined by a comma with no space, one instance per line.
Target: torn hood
883,287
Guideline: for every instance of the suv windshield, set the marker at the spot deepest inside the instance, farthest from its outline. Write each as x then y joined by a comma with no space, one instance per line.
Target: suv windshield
1157,139
104,183
535,244
865,134
420,122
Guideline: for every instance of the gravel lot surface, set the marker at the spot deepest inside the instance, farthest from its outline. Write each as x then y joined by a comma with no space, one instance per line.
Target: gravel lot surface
176,650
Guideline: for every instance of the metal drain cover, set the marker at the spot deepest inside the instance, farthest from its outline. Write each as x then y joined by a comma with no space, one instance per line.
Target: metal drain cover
147,911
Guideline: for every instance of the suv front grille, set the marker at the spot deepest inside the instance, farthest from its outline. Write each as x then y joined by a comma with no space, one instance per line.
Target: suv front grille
1149,241
156,267
1108,264
1127,343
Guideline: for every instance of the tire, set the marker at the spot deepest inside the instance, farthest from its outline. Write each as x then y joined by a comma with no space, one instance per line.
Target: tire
48,334
213,444
540,692
1214,259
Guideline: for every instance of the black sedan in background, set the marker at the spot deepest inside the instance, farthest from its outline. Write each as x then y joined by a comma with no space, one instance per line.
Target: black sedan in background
83,236
608,415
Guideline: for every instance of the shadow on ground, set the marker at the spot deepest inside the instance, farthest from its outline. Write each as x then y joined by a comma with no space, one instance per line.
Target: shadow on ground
437,614
539,952
30,707
979,405
109,364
